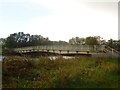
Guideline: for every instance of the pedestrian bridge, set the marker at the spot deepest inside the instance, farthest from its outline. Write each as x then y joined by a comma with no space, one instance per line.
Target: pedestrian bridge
61,48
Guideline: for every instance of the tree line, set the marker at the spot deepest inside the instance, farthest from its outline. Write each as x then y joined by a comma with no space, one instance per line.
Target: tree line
115,44
21,39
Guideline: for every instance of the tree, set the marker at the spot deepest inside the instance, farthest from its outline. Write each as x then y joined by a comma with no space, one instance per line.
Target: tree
77,40
11,41
91,41
22,40
115,44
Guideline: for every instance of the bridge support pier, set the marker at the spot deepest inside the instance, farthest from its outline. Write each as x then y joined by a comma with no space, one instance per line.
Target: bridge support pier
60,51
77,52
87,52
47,50
67,51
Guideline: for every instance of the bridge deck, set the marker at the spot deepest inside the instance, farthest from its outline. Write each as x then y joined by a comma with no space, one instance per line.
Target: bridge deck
61,48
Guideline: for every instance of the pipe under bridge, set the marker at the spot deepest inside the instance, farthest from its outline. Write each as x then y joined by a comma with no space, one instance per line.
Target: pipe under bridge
61,48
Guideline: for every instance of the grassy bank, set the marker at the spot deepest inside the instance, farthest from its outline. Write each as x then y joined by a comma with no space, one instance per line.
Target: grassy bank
22,72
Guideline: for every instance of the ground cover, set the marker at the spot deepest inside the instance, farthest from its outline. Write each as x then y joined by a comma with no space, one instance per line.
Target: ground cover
85,72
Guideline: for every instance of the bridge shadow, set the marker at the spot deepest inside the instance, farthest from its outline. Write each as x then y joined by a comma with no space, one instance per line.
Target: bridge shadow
46,54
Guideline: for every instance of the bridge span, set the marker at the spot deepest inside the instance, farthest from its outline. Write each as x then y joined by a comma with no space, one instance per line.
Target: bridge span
61,49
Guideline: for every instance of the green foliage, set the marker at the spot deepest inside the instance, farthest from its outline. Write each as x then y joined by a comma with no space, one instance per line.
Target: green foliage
20,39
11,42
60,73
91,41
115,44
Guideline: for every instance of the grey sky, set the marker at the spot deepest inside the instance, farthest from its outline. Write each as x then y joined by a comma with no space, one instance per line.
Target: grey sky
119,20
60,19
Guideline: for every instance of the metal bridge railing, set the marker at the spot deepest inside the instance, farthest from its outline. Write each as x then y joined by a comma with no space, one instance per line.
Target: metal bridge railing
63,48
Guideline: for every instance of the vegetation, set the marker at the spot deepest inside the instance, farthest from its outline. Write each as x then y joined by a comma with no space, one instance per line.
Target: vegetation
77,40
91,41
22,72
114,44
84,72
22,40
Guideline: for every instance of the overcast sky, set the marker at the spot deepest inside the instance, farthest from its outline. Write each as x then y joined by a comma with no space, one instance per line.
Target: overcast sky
60,19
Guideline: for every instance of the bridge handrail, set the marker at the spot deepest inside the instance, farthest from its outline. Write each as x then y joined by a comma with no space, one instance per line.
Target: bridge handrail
111,49
64,47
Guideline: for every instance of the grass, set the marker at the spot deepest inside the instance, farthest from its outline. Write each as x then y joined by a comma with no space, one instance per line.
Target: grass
22,72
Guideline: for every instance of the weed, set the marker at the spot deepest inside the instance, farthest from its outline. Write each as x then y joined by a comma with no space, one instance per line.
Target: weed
25,72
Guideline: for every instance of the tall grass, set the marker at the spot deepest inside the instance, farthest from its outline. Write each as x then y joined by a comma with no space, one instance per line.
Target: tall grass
22,72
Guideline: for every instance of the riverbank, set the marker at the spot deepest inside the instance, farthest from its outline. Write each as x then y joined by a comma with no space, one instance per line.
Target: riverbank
85,72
